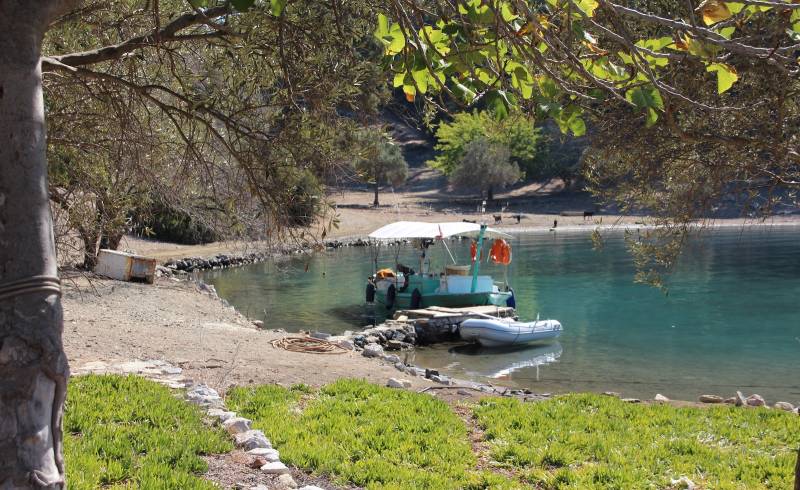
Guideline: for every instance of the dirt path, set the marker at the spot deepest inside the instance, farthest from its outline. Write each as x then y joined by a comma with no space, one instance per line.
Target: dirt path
118,321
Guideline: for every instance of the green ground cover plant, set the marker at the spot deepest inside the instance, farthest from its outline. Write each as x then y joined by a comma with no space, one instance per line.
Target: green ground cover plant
365,434
591,441
128,432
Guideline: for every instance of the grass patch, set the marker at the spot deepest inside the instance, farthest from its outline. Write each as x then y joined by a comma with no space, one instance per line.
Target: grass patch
593,441
365,434
128,432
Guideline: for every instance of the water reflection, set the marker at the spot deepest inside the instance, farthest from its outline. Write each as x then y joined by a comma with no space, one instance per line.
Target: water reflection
502,362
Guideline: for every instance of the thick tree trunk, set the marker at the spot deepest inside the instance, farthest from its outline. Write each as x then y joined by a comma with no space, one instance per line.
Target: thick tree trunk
33,367
490,194
375,201
797,472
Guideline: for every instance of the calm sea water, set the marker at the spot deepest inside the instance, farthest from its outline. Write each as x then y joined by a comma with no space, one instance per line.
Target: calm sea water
730,319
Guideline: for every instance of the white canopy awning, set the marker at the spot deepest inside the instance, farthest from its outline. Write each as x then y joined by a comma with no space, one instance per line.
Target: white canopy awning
418,229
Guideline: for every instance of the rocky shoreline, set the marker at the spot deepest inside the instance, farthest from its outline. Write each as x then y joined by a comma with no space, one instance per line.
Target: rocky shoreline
386,341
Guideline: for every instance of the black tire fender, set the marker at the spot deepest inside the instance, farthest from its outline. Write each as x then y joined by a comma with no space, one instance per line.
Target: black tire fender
391,294
416,299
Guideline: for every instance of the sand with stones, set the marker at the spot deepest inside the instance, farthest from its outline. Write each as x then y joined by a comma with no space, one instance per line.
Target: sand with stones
114,321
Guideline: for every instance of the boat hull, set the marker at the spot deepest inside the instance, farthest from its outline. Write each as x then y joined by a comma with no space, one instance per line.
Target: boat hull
403,300
495,333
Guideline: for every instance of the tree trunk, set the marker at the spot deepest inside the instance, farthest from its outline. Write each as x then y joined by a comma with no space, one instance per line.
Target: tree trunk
797,472
90,241
33,366
490,194
375,201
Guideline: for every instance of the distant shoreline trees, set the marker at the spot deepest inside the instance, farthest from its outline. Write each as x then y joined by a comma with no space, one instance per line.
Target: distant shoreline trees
382,162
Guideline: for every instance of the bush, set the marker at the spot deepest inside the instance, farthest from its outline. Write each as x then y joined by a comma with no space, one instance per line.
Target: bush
515,133
166,223
485,166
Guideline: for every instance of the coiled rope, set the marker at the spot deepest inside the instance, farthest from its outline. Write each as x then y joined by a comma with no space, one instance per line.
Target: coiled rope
309,345
28,285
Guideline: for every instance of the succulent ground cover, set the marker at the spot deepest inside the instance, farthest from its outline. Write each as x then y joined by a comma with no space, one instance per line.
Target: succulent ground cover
596,441
128,432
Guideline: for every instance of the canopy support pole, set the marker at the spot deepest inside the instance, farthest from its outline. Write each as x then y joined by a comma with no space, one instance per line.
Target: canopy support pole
448,251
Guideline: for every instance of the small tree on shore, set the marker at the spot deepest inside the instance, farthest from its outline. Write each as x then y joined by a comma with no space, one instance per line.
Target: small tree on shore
383,163
485,166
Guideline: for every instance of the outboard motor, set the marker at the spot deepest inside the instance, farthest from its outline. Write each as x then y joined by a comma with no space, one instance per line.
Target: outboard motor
370,292
511,302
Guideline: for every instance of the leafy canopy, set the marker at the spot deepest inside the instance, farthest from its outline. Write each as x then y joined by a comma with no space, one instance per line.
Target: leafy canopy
516,133
485,166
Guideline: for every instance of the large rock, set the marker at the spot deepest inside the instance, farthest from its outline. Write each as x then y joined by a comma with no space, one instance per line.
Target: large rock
394,344
252,439
276,468
391,358
269,454
237,425
286,481
372,350
740,400
221,414
755,401
786,406
683,482
711,399
398,383
346,344
660,398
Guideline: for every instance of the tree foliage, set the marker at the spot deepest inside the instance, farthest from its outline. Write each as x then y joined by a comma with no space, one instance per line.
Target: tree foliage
381,161
693,108
516,133
486,166
195,104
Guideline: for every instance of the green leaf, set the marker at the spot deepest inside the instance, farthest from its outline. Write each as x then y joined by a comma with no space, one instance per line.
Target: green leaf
727,32
734,7
421,78
242,5
506,12
198,3
651,117
276,6
465,92
383,27
399,79
577,126
645,97
726,76
587,6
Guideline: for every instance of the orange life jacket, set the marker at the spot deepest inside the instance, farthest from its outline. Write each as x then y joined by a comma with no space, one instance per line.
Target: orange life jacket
500,252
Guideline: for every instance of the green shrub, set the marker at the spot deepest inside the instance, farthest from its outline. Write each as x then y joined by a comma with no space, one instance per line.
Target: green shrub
594,441
367,435
133,433
515,133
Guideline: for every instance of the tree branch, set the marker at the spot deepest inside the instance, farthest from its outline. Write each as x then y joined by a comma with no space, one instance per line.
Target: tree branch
168,33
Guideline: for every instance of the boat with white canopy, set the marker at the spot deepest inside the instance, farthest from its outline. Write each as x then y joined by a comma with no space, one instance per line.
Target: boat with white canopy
402,287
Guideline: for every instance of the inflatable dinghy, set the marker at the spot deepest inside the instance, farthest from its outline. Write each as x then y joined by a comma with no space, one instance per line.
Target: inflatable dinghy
496,332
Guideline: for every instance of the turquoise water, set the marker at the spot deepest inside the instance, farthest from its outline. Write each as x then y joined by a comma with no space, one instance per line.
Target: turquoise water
730,319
